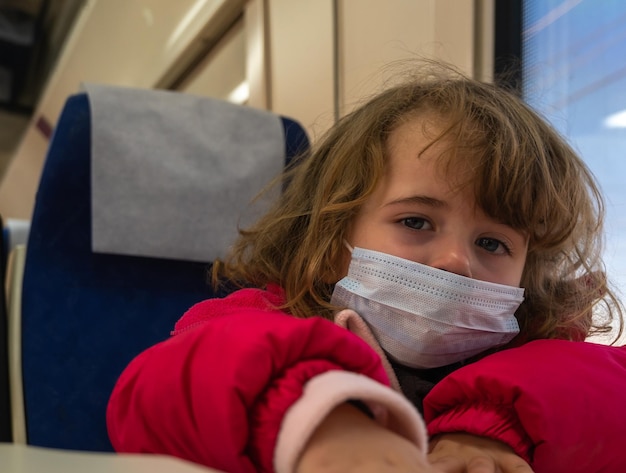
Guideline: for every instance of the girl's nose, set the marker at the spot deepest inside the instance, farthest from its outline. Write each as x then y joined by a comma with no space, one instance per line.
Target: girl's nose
454,257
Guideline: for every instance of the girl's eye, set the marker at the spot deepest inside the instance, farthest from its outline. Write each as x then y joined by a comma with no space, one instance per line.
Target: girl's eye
417,223
493,246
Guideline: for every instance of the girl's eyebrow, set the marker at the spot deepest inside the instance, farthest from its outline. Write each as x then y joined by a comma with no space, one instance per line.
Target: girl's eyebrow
418,199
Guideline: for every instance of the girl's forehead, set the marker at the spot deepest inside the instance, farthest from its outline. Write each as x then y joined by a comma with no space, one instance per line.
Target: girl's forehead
413,171
421,156
420,142
429,124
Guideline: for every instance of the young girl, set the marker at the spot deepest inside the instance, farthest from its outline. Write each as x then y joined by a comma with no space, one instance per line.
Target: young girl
441,241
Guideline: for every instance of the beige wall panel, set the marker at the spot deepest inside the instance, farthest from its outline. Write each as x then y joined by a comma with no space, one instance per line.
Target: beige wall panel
257,53
118,42
484,35
19,185
454,33
378,39
301,36
124,43
223,70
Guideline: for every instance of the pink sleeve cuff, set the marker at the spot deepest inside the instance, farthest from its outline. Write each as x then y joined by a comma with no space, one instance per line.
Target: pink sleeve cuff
330,389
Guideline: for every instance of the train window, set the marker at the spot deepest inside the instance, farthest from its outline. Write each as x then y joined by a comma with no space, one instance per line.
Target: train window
572,71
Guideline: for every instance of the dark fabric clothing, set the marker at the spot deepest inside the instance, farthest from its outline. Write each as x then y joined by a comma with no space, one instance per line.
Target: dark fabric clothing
416,383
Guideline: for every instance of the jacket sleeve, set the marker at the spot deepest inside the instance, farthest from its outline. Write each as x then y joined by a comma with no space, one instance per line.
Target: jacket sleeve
218,393
558,404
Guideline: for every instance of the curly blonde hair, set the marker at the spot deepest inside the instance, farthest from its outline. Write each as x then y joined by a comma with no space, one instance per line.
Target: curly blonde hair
525,175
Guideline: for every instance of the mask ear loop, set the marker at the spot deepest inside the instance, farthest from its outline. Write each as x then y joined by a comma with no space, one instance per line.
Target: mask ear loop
347,245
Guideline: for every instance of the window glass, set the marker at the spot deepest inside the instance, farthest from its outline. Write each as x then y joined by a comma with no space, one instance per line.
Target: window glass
574,73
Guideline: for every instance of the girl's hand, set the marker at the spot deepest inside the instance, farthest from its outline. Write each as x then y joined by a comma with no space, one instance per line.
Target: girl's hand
465,453
349,441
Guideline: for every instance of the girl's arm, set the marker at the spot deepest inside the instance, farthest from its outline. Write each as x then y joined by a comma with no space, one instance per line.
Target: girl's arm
558,404
243,391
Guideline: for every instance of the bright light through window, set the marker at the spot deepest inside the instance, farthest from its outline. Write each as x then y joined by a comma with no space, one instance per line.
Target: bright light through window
574,73
617,120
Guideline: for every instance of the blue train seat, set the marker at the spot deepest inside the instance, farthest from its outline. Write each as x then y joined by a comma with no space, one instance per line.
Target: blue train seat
85,313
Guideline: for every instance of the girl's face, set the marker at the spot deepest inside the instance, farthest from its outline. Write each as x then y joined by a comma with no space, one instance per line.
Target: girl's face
415,213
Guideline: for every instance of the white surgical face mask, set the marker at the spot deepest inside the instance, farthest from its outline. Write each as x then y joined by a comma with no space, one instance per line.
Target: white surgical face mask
425,317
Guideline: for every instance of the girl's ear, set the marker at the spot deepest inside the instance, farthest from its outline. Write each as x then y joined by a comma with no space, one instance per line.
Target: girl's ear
337,263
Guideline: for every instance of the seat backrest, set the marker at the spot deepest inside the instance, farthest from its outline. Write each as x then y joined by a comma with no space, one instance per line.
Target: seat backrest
85,315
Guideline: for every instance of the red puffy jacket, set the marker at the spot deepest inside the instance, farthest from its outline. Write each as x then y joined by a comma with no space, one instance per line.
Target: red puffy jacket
561,405
218,391
240,386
